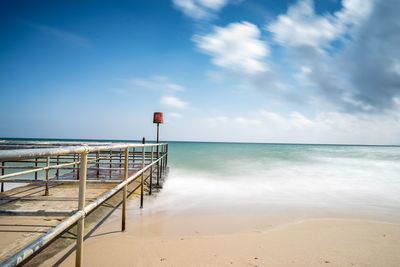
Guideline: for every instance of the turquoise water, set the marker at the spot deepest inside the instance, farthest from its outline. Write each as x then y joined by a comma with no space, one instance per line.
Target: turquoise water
327,177
333,179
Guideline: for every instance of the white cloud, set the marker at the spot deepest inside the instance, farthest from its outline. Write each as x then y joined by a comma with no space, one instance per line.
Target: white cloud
199,9
158,83
324,127
237,47
301,26
173,102
175,115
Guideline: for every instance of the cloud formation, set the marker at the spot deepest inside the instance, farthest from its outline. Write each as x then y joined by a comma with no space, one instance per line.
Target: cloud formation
199,9
349,57
158,83
173,102
327,127
237,47
373,58
301,26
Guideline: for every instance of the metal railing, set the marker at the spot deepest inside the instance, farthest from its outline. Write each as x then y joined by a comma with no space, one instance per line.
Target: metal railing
133,162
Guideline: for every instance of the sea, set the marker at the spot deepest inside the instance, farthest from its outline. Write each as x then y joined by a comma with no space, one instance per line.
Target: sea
302,179
307,180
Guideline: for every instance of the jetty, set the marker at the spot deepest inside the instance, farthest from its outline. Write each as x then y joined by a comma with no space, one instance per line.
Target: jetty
65,189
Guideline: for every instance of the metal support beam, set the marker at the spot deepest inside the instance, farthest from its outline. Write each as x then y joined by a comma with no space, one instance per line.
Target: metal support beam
125,190
81,206
2,173
142,177
46,191
151,172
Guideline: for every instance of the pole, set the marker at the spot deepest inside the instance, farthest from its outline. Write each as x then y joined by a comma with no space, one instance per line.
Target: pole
46,191
97,164
151,171
158,166
58,170
111,155
81,206
125,190
2,173
141,178
36,164
158,133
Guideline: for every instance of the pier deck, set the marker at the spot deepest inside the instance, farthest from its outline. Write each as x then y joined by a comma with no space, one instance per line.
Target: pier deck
49,206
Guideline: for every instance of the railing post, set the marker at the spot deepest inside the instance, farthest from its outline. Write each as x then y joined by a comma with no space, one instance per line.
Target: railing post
46,191
111,158
163,159
166,155
125,190
81,206
36,164
158,166
120,160
151,171
2,173
97,164
74,167
58,170
133,157
142,177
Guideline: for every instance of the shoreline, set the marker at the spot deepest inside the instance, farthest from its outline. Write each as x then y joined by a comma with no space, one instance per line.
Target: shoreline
312,241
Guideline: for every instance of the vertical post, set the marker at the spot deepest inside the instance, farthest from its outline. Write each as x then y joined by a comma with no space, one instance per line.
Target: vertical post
151,171
133,157
58,170
2,173
158,133
81,205
166,155
142,177
163,159
120,159
46,191
36,164
74,166
111,156
158,165
125,190
97,164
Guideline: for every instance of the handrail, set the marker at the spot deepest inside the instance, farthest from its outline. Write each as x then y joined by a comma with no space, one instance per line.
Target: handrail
16,154
158,158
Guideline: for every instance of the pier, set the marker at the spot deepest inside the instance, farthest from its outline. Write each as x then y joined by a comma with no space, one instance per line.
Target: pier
62,183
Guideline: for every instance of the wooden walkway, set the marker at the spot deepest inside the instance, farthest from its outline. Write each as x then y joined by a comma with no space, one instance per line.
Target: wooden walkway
27,213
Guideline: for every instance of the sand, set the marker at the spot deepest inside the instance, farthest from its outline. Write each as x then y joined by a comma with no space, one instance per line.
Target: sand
172,240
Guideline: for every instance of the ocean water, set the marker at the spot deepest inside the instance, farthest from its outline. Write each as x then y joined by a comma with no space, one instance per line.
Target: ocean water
238,178
235,177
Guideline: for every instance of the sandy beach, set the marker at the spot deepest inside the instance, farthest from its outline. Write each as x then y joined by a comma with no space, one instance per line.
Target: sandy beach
208,240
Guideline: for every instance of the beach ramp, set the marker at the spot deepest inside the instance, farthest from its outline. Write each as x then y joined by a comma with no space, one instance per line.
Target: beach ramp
57,192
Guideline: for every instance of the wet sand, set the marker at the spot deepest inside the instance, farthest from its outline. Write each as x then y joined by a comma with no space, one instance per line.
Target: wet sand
176,239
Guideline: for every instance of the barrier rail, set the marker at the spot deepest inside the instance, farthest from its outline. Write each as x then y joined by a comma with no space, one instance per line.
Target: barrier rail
96,157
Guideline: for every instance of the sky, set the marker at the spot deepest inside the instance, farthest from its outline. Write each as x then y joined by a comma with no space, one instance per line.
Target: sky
302,71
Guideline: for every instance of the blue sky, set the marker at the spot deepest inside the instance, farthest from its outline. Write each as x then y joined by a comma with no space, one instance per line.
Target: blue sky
323,71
